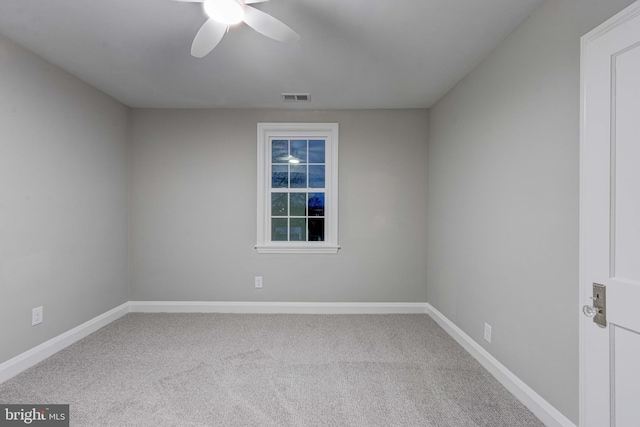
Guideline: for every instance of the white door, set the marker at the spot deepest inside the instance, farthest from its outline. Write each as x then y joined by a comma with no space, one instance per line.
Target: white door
610,222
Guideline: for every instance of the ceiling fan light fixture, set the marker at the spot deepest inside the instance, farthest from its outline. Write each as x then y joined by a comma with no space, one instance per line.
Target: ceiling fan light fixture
224,11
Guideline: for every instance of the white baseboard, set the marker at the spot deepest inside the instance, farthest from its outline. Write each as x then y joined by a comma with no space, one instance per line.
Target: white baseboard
276,307
542,409
29,358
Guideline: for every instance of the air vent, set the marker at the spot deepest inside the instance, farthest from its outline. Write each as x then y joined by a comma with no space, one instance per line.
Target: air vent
296,97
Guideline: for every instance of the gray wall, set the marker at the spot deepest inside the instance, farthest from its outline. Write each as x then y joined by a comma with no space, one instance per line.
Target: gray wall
63,195
503,199
193,209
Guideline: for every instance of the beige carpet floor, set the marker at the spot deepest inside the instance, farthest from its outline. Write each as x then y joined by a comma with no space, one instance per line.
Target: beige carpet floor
269,370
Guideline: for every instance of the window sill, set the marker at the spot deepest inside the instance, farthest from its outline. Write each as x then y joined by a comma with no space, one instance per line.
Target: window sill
297,249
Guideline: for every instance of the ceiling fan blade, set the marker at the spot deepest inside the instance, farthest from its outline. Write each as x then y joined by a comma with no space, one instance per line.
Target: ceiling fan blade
207,38
254,1
268,25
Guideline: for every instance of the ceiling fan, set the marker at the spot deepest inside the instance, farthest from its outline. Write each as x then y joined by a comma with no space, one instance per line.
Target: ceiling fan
224,13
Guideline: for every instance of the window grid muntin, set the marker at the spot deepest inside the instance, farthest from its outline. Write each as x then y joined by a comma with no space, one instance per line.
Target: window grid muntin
298,190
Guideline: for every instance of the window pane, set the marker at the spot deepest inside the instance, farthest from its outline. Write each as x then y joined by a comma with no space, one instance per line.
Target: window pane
279,176
279,151
298,230
279,204
299,176
316,229
316,204
316,176
316,151
299,149
279,229
298,204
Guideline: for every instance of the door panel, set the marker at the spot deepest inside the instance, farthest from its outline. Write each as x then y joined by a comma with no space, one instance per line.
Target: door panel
625,164
610,221
626,387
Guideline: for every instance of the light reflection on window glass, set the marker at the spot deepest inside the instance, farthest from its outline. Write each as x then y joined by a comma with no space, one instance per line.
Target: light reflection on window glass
299,150
279,151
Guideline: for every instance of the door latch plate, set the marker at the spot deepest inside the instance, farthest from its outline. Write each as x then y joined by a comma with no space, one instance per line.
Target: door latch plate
600,304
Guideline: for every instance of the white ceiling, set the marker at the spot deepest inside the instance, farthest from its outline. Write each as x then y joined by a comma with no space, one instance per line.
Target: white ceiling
352,53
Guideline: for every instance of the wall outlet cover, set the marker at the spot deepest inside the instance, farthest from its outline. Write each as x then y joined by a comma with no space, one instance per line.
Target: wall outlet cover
37,315
487,332
258,282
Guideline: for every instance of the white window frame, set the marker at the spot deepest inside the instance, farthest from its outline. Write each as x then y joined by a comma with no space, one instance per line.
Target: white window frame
270,131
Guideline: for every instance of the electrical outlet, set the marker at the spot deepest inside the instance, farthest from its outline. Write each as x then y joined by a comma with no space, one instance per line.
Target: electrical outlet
36,316
487,332
258,282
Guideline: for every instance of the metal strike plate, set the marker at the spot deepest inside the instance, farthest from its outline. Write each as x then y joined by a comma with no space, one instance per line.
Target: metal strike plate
600,304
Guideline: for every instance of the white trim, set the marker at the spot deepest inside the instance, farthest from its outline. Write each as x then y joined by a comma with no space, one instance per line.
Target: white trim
582,374
542,409
37,354
330,133
621,17
277,307
298,250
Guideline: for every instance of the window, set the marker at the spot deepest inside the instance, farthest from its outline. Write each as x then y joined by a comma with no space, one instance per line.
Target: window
297,188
